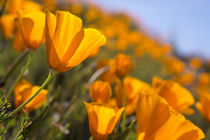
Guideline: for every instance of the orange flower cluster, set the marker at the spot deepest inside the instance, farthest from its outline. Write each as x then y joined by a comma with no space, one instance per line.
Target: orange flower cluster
102,113
122,35
163,99
170,94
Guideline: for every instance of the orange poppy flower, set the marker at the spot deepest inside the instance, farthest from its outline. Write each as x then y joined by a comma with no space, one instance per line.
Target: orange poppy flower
31,26
7,21
102,120
195,63
132,88
156,120
24,90
123,65
177,96
7,24
67,44
203,104
100,92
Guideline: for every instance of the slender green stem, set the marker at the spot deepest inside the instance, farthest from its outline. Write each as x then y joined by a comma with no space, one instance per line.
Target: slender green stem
21,74
50,76
124,105
17,135
3,7
12,67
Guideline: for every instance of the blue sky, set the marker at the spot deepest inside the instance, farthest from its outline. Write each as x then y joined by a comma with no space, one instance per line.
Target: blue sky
186,21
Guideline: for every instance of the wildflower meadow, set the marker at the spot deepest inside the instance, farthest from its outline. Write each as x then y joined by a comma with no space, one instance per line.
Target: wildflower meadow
70,70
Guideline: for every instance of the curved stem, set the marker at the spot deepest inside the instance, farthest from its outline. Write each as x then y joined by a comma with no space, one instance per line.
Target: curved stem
50,76
21,74
97,74
12,67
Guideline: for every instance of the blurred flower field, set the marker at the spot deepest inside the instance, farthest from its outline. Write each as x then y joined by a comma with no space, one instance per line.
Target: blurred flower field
70,70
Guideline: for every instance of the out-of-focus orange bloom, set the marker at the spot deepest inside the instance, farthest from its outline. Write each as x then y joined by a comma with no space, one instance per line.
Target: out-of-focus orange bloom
158,51
174,65
123,65
13,6
156,120
166,48
132,87
50,4
108,31
67,43
31,26
100,92
24,90
102,120
92,14
186,78
151,47
7,20
177,96
204,79
203,104
110,74
134,37
121,44
195,63
76,9
7,24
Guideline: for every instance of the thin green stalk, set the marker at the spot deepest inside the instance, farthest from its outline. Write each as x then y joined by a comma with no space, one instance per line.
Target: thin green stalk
12,67
17,135
21,74
124,105
3,7
50,76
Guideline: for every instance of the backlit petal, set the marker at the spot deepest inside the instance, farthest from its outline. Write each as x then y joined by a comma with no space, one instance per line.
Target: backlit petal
92,39
67,26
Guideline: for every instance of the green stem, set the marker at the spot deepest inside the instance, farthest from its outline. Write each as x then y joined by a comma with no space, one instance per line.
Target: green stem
50,76
15,138
3,7
124,105
21,74
12,67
